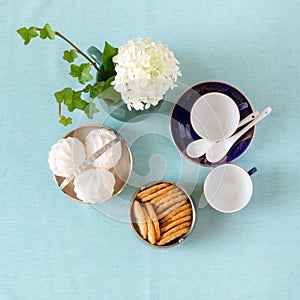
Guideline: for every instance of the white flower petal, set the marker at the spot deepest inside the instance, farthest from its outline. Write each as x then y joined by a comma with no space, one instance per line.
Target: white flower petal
145,71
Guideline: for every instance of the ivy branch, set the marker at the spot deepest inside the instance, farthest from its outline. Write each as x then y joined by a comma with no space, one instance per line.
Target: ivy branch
69,97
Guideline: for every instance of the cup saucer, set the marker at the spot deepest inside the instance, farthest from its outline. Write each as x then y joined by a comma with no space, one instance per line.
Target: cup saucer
183,133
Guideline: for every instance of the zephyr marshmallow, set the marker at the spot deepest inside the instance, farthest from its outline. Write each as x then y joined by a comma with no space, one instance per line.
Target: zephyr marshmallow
98,138
65,156
94,185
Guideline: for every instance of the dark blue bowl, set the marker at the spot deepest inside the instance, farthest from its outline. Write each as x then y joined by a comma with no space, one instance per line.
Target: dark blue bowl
183,133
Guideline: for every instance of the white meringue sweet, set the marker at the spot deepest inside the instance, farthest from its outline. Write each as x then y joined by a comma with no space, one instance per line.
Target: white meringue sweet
94,185
65,156
95,140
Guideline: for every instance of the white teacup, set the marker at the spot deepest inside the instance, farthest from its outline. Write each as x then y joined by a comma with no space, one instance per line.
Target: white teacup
215,116
228,188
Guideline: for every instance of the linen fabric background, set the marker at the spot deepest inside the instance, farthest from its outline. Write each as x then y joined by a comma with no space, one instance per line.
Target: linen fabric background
54,248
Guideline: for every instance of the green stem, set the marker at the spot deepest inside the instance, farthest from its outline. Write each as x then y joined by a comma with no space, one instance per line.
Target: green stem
59,109
77,50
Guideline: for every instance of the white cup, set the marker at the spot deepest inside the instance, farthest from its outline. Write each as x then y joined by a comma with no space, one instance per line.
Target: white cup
215,116
228,188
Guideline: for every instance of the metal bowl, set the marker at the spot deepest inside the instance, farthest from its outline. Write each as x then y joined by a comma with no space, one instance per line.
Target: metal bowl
121,170
176,241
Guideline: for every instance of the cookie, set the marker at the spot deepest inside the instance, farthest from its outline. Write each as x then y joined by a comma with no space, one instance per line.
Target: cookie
158,193
171,209
173,236
169,203
154,219
175,212
166,196
140,219
176,228
151,190
169,226
186,212
151,231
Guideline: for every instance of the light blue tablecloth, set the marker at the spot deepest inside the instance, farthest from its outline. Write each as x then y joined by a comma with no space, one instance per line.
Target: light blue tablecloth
54,248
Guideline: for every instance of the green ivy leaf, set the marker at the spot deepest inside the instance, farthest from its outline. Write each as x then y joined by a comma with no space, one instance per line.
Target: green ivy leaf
87,88
107,83
75,71
47,32
70,56
85,73
81,72
108,53
77,102
71,99
27,34
90,110
111,94
96,89
108,91
65,121
111,102
64,96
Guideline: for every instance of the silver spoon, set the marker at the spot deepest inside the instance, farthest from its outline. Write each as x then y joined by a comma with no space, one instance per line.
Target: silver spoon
199,147
218,150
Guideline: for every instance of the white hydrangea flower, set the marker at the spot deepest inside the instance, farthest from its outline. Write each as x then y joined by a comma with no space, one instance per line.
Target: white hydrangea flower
145,71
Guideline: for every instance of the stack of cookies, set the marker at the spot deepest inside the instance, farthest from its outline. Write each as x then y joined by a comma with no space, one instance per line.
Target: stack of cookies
162,214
